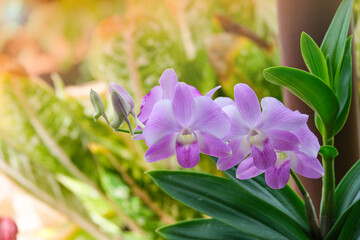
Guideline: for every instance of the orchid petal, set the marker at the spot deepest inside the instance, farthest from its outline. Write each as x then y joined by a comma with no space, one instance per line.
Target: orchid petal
212,146
188,155
212,91
224,101
194,91
237,126
168,81
148,103
264,155
163,149
276,116
309,142
247,103
183,103
277,177
240,149
161,122
247,169
208,117
306,166
283,140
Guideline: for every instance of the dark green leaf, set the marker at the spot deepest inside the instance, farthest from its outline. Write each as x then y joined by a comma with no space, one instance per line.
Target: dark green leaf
339,225
285,199
351,228
314,58
347,192
224,200
207,229
343,86
334,40
309,88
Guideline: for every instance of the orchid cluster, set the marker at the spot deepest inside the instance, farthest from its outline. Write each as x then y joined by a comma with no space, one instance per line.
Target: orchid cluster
246,139
177,119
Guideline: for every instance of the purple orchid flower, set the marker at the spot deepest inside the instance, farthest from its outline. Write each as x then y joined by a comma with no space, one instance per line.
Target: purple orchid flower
168,82
185,126
303,161
258,133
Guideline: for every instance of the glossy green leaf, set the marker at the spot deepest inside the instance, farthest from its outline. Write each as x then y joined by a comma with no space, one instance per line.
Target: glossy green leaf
206,229
225,201
339,225
314,58
285,199
347,192
334,40
309,88
351,228
343,86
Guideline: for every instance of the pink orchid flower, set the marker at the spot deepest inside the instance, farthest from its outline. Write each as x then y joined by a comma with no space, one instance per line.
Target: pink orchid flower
168,82
258,133
303,161
186,125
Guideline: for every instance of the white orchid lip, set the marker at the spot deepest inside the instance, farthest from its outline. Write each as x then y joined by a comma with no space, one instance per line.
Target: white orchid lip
257,138
186,136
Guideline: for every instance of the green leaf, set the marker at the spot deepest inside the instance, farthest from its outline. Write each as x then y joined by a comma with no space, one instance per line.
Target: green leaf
338,227
347,192
285,199
351,229
328,152
207,229
343,86
42,184
334,40
225,201
309,88
314,58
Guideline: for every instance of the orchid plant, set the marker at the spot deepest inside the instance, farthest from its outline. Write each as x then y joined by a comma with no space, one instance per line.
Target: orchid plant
245,139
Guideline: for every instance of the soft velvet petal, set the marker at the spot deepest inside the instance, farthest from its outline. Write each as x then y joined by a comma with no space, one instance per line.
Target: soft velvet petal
183,103
283,140
309,142
276,116
237,127
208,117
277,177
194,91
122,92
247,169
168,81
161,150
247,103
188,155
224,101
212,91
240,149
211,145
148,103
161,122
306,166
264,156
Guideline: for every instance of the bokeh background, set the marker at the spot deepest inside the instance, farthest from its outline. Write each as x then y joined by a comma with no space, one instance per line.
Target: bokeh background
63,176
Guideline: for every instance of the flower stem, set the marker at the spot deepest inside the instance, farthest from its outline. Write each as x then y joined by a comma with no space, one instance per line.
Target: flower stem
310,210
327,209
127,131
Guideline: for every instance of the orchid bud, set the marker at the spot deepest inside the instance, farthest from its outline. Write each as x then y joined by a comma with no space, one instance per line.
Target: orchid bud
8,229
123,106
98,106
